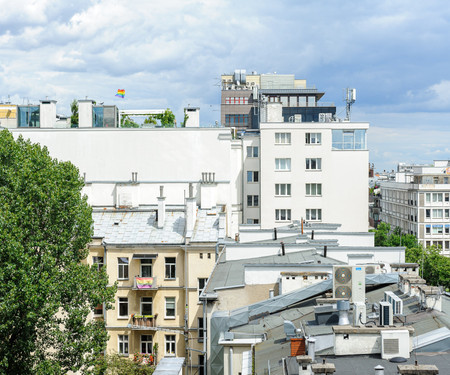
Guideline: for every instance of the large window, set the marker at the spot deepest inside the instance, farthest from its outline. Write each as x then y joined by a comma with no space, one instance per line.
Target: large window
146,306
123,344
282,138
313,163
236,100
437,229
122,268
313,189
252,176
201,284
147,344
437,197
146,268
170,345
313,138
437,214
170,307
349,139
98,262
283,189
252,151
252,200
282,214
236,119
170,268
314,214
123,307
283,164
28,117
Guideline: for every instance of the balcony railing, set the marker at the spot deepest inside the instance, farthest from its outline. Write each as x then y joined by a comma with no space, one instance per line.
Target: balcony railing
145,283
143,321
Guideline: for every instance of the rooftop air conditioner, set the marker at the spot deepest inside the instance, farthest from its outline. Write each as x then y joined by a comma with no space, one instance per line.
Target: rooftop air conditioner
349,283
394,344
395,301
386,315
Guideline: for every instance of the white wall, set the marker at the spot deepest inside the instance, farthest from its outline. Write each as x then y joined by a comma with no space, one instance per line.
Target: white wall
347,239
271,273
373,254
235,251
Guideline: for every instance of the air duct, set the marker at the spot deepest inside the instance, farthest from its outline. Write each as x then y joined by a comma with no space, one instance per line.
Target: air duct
343,306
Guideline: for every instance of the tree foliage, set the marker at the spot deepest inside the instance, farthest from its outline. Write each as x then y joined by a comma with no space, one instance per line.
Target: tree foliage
166,119
434,266
114,364
127,122
46,292
74,118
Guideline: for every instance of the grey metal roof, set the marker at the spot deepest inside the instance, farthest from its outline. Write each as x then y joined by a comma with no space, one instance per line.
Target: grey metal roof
231,273
138,227
209,226
169,366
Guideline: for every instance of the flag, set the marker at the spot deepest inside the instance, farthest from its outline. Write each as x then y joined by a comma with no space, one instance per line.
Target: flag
144,282
120,93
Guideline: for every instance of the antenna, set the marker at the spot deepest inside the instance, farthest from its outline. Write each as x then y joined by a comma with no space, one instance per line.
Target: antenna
349,98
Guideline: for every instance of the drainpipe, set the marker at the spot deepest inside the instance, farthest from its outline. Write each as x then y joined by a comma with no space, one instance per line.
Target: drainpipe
205,338
230,361
186,301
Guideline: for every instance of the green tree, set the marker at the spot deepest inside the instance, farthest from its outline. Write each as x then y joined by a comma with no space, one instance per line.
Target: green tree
116,365
167,119
74,118
186,117
150,120
127,122
47,290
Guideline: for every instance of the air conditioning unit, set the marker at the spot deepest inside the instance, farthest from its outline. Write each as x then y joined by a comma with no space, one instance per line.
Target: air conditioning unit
372,269
386,315
394,344
350,283
395,301
359,314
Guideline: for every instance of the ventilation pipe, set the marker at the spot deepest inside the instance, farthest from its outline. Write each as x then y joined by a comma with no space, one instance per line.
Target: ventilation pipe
190,209
274,233
230,361
312,234
283,252
325,251
343,307
312,348
379,370
271,293
161,208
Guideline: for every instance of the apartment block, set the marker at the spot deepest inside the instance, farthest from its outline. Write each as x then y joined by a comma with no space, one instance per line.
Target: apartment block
418,202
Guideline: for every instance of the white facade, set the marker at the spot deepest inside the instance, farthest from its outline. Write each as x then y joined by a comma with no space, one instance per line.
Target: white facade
419,203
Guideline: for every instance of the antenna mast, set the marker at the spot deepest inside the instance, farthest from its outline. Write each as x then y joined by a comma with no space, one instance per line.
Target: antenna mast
349,98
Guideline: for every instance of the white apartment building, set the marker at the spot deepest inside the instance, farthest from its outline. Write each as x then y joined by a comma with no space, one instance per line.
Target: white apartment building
419,203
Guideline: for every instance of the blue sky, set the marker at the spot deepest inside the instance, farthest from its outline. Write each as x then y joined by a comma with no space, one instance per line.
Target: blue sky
168,54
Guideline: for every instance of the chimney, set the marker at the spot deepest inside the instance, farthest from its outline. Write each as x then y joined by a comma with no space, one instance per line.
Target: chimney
312,234
271,293
312,348
274,233
47,113
190,209
283,252
161,208
85,119
325,251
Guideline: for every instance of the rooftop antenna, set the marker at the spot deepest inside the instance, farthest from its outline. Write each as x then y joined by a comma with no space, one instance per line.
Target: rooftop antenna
350,98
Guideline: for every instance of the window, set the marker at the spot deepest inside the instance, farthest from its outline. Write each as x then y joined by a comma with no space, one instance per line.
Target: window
170,268
437,197
314,163
283,189
282,214
252,200
98,309
252,221
314,214
28,117
427,213
349,139
147,344
447,213
428,197
123,344
447,229
313,138
123,307
283,138
146,306
446,195
313,189
200,330
252,176
435,180
170,307
98,261
201,255
123,268
252,151
236,100
201,284
428,229
437,214
283,164
236,119
209,255
437,229
146,268
201,364
170,345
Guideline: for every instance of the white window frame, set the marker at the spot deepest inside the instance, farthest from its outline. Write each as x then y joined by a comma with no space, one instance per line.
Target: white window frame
166,299
437,213
146,263
283,164
318,164
252,151
98,261
314,214
170,269
123,345
252,174
253,200
252,221
201,280
282,138
437,229
123,271
283,214
437,198
313,138
313,190
171,341
143,302
279,189
427,197
122,301
146,342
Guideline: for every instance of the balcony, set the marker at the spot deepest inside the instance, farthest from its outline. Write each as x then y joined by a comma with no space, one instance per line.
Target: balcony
144,283
143,321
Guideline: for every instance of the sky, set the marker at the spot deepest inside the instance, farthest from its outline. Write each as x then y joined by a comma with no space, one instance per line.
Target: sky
171,53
